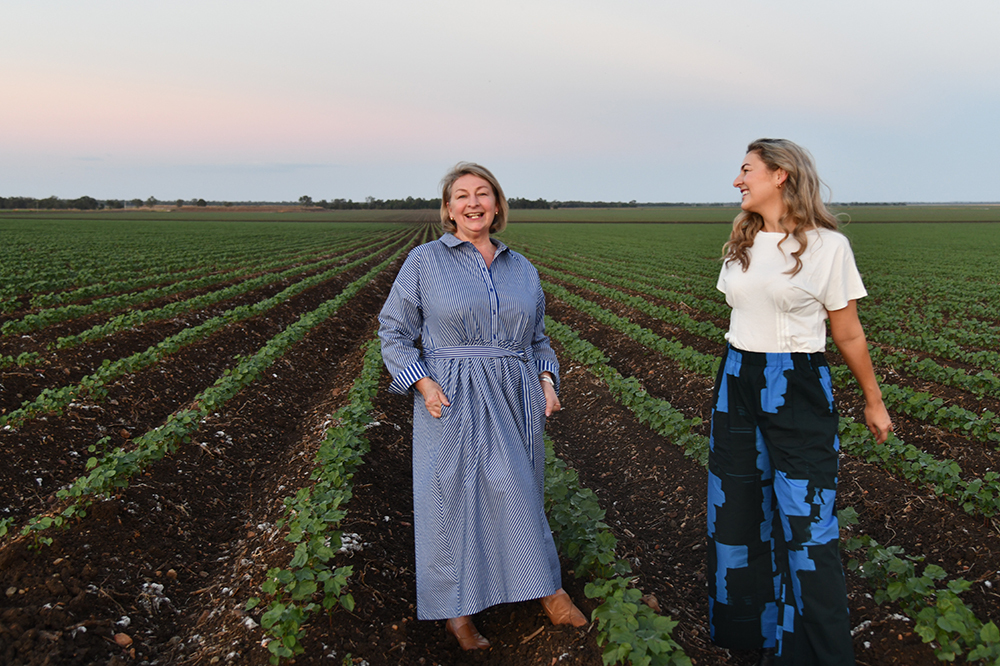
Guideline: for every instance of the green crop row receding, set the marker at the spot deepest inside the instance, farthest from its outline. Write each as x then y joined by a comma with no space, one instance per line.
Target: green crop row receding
658,414
245,263
941,616
984,427
91,386
630,630
41,254
979,496
49,316
313,516
930,285
982,383
138,317
114,469
923,406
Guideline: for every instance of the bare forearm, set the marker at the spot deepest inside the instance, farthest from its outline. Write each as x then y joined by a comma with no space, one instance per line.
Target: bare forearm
845,327
859,362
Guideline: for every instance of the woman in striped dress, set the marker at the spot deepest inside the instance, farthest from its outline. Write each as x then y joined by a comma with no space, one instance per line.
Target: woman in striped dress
485,379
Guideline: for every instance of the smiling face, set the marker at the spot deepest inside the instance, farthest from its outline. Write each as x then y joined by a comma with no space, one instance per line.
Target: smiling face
472,206
760,188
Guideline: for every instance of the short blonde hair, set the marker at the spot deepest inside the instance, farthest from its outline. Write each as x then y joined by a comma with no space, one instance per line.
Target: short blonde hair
473,169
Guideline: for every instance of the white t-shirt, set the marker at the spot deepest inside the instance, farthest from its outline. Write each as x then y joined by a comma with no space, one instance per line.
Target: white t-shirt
777,312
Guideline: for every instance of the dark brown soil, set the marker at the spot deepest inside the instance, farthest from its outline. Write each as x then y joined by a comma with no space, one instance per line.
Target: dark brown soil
201,523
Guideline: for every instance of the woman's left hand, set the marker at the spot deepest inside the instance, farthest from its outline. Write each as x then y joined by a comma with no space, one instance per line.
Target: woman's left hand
877,418
551,399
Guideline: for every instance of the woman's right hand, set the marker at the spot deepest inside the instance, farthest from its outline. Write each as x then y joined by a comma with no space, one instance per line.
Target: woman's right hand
434,397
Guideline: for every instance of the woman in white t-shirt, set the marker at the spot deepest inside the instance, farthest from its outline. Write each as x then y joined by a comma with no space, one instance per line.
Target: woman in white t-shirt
775,577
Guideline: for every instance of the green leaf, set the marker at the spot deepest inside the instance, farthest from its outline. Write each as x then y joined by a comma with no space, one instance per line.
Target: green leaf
989,633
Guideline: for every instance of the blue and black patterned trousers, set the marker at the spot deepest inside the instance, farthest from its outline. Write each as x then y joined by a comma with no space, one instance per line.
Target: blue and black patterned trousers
775,577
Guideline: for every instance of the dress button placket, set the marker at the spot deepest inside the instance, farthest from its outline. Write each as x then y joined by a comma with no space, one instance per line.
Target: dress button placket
493,300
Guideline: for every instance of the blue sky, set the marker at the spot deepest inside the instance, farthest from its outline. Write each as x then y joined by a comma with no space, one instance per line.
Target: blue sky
652,101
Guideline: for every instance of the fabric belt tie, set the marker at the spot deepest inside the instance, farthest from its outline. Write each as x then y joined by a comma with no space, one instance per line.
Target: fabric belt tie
482,351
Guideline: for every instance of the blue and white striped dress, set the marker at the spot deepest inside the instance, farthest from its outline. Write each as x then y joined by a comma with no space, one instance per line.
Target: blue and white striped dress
482,537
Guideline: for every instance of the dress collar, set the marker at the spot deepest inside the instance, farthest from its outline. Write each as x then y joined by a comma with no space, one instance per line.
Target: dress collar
451,241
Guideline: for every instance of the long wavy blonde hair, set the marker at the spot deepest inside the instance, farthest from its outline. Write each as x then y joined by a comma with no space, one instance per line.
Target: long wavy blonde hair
804,207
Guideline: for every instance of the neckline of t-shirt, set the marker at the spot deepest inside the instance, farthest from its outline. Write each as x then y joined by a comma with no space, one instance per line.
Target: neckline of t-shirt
782,233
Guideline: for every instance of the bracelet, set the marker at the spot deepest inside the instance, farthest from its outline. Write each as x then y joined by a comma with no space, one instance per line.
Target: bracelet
546,378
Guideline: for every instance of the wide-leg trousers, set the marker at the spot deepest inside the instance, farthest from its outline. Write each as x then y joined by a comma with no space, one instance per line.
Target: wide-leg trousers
774,570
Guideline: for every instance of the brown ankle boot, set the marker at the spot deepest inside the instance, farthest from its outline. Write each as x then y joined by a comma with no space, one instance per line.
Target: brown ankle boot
466,634
561,610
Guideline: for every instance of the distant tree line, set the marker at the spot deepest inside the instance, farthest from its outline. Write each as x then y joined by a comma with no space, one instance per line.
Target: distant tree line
515,202
50,203
88,203
417,203
370,203
592,204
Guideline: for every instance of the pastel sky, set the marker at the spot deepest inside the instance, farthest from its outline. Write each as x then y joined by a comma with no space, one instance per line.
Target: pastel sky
635,99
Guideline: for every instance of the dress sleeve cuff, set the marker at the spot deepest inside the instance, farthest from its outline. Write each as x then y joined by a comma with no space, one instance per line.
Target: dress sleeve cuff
547,366
405,380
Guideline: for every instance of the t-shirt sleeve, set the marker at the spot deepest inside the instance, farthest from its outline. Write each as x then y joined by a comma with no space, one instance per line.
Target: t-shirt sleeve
728,277
844,282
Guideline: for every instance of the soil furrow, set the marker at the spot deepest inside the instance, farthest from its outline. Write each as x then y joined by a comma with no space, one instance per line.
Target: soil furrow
975,457
894,512
54,448
199,524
